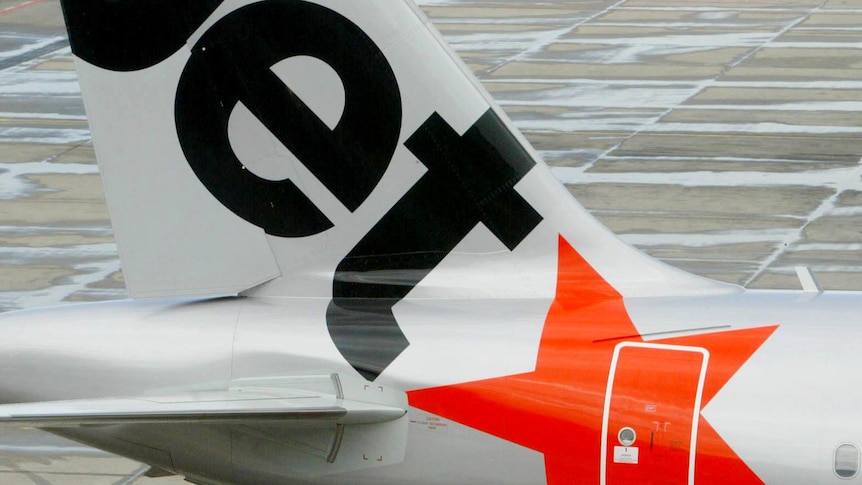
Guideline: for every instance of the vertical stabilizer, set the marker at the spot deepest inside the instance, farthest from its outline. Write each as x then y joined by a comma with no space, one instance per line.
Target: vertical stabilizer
324,148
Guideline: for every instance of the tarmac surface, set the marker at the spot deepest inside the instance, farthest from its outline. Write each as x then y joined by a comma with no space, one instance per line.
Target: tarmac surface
720,136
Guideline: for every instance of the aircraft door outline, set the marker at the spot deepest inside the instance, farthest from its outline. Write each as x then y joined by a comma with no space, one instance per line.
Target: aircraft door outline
696,376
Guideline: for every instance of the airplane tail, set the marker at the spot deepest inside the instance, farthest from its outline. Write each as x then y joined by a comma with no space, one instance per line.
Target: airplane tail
322,148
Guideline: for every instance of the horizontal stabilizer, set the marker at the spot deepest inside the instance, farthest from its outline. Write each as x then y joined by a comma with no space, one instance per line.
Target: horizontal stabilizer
222,407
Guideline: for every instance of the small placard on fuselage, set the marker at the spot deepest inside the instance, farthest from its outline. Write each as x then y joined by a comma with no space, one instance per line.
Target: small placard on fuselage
626,454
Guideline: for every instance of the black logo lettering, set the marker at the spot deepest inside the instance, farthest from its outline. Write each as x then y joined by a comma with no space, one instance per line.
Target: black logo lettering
470,180
231,64
129,36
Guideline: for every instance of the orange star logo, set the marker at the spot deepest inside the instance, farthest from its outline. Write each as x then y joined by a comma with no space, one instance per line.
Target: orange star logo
559,409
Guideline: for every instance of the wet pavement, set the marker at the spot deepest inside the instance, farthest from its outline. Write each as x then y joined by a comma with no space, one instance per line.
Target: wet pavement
721,137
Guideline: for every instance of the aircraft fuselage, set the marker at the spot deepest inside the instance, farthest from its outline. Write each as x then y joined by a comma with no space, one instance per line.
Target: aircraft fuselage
755,385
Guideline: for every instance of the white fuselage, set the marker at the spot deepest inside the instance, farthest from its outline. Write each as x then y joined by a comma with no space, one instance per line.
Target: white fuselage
784,412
